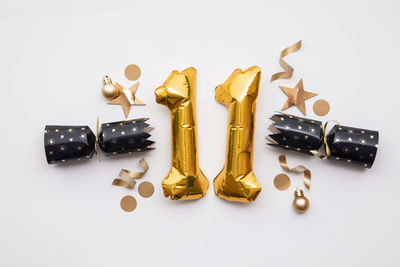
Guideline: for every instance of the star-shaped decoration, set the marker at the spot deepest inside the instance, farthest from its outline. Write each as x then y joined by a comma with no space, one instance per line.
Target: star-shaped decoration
297,96
127,98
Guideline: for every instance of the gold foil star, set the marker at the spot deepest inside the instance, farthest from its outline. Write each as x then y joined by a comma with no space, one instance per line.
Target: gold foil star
127,98
297,96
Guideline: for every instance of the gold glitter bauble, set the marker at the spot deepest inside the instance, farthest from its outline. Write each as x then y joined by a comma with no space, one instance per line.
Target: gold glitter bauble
300,202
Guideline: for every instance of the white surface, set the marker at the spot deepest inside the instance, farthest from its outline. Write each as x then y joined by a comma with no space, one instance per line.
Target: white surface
52,57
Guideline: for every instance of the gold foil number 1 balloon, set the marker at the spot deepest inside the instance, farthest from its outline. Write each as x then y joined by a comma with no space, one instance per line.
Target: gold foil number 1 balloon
236,181
185,179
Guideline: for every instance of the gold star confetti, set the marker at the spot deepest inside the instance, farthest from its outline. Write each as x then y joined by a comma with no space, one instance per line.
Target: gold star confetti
297,96
127,98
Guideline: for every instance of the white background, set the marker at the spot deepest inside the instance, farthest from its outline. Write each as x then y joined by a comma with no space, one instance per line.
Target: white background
52,57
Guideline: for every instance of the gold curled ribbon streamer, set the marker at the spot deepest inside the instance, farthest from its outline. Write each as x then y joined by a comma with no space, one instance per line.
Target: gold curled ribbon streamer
124,183
327,150
97,140
127,174
297,169
128,177
288,70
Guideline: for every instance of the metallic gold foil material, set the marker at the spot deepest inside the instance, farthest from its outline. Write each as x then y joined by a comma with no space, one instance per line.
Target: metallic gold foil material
185,180
288,70
297,169
128,177
236,181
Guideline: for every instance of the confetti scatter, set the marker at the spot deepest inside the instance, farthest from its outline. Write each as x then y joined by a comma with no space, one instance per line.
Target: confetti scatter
146,189
321,107
282,182
128,203
132,72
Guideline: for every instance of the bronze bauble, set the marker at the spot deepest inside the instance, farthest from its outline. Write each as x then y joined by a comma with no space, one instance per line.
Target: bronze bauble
109,89
300,202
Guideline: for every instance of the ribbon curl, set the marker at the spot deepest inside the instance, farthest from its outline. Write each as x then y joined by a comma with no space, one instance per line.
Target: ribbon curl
288,70
128,177
297,169
96,144
326,146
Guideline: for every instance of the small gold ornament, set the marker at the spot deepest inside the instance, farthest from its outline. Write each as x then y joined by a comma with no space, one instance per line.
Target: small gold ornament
109,89
300,202
297,96
126,98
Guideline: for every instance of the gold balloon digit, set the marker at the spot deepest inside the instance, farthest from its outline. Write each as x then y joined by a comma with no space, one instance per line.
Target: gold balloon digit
236,181
185,180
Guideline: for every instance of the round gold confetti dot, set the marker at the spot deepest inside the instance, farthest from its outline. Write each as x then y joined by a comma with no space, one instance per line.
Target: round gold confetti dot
132,72
282,182
146,189
321,107
128,203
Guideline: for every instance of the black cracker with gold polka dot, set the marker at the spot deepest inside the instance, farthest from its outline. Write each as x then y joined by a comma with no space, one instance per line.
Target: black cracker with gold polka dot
296,133
65,143
125,137
348,144
358,146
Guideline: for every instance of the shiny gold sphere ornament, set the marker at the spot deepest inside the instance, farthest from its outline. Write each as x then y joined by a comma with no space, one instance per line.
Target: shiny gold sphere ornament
109,89
300,202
